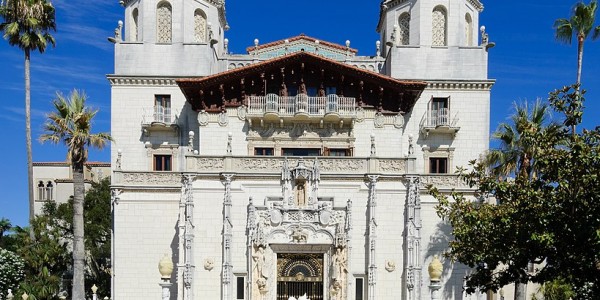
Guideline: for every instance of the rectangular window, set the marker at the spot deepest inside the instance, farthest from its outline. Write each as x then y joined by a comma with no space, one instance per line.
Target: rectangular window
301,152
162,108
162,162
338,152
264,151
438,165
49,193
239,284
360,291
439,111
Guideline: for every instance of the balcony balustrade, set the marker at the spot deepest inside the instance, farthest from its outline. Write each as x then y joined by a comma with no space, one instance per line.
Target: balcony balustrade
301,105
159,118
439,121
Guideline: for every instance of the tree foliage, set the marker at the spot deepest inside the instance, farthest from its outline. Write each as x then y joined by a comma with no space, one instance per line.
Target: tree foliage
47,257
550,219
11,271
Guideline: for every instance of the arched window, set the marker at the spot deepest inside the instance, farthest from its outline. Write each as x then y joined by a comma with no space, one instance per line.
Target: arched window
41,190
404,29
468,30
134,25
163,22
49,189
199,26
438,26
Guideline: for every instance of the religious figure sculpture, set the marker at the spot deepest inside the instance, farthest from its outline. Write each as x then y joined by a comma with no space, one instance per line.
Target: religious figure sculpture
259,261
340,264
301,194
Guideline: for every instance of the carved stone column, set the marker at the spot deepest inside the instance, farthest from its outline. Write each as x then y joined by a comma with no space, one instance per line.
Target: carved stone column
412,229
250,231
186,266
372,236
227,287
350,278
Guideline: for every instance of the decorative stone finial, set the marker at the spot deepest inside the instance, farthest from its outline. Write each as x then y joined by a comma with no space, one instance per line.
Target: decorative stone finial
378,47
255,42
226,45
348,43
191,140
165,267
25,296
435,269
94,289
10,296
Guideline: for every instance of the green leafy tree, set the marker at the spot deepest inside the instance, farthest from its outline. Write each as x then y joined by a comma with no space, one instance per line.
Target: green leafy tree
46,257
550,219
27,24
71,124
555,290
11,272
579,25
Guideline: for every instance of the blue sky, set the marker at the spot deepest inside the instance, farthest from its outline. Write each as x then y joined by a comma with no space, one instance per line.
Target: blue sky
527,64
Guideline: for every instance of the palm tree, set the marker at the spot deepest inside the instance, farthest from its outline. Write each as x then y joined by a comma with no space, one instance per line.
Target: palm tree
579,25
5,225
517,151
27,25
71,124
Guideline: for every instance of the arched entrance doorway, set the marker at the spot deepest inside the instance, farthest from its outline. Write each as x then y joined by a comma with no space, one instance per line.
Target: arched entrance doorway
299,274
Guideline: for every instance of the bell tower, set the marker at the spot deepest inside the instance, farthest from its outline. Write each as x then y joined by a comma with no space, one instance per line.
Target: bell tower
433,39
170,37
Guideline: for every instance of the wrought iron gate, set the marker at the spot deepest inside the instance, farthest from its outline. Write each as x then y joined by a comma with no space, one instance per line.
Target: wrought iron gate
299,274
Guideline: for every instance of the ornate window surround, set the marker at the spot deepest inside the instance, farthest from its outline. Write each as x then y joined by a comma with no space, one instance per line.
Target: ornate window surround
163,149
200,33
404,29
441,152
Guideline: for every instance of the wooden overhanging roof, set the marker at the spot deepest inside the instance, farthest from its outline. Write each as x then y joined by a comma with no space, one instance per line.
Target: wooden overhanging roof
231,88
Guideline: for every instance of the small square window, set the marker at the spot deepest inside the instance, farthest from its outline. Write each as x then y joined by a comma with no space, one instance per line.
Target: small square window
438,165
162,163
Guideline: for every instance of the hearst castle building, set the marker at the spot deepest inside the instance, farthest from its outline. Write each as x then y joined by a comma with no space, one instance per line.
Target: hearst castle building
298,168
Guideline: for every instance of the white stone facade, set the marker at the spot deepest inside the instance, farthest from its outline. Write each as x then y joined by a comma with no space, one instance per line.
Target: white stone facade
232,220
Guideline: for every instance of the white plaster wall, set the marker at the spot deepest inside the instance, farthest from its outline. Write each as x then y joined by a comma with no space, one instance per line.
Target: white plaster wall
144,230
127,110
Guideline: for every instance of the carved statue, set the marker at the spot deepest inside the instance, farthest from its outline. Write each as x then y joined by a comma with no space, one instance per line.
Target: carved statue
259,262
299,236
301,194
340,264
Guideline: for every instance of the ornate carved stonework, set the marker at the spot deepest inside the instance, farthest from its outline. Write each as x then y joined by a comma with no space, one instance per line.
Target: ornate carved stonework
296,130
443,182
379,120
207,164
146,178
392,165
203,118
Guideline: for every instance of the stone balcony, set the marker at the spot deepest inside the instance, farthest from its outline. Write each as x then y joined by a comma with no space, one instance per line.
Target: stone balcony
442,121
159,119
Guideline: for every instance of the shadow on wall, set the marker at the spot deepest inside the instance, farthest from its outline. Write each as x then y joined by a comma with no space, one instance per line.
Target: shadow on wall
175,259
453,274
